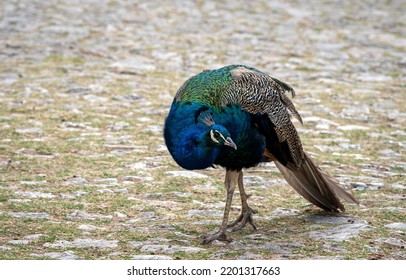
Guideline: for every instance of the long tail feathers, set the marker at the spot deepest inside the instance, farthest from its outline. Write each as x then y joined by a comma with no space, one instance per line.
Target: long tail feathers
315,185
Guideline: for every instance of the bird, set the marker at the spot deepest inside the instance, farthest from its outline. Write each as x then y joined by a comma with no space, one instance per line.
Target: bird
237,117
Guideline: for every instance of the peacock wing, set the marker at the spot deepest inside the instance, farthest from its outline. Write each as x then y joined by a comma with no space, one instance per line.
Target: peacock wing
259,93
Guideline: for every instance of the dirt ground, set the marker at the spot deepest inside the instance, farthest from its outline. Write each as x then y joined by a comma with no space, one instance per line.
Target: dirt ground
84,90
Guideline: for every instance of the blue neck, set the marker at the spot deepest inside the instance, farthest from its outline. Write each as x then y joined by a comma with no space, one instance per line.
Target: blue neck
193,151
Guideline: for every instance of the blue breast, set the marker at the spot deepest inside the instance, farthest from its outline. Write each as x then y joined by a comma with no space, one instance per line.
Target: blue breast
250,143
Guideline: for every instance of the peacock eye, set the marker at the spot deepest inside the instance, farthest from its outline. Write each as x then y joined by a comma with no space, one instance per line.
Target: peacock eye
214,134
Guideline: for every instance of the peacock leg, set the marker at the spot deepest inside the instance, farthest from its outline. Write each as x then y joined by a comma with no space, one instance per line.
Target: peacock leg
230,182
246,211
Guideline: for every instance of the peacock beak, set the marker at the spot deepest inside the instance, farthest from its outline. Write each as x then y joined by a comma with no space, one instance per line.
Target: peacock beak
229,142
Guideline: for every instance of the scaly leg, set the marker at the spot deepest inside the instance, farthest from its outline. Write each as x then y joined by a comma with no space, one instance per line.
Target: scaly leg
230,183
246,211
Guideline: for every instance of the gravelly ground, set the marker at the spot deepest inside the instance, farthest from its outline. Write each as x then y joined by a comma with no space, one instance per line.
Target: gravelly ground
84,89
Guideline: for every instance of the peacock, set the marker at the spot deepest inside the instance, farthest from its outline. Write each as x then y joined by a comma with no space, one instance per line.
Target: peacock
237,117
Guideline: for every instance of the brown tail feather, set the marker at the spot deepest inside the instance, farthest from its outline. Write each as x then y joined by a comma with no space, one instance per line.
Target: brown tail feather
315,185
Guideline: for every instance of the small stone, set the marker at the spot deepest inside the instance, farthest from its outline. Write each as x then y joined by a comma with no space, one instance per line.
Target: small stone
318,121
32,130
5,163
73,125
375,185
79,193
34,236
144,120
373,249
181,194
322,127
334,247
120,215
123,190
168,204
144,216
370,77
207,222
77,214
35,123
90,227
213,213
347,146
358,186
84,243
35,194
204,188
250,256
392,208
282,212
324,148
133,66
328,258
218,243
78,90
394,115
16,200
94,98
33,183
105,191
25,151
379,135
118,126
75,181
257,236
137,178
399,186
107,181
392,242
352,127
399,255
151,257
66,255
128,97
170,249
154,195
400,226
342,232
9,78
139,243
29,215
138,166
355,110
388,153
19,242
67,196
186,174
281,248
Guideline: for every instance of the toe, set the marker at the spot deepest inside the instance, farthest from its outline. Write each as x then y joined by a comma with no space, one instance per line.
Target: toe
221,236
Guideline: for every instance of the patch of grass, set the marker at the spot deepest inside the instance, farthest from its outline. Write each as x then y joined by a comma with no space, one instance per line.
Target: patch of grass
60,59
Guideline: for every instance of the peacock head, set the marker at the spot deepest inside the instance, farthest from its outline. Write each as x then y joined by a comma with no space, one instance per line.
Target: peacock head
220,136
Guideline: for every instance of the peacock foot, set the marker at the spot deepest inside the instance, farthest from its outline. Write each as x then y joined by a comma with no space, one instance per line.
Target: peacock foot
245,217
219,235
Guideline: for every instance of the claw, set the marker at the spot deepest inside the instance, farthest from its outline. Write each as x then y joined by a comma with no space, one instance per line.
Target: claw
241,221
221,236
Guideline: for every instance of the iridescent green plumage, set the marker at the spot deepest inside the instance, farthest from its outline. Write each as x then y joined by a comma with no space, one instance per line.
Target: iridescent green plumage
207,88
